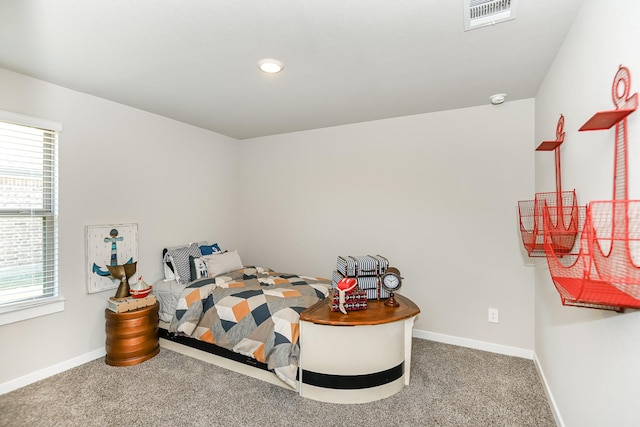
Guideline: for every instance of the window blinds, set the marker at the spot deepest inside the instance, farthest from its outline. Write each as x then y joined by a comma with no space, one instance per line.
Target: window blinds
28,213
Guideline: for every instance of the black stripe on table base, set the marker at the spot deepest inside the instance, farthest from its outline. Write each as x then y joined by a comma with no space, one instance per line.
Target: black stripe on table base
352,382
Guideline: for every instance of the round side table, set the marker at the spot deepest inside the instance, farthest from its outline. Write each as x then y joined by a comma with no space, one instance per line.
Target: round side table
132,336
357,357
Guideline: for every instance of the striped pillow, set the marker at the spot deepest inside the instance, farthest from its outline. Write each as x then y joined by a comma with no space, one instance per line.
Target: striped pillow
179,258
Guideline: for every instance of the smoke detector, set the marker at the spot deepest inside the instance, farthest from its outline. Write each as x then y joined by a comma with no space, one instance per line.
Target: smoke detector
498,98
480,13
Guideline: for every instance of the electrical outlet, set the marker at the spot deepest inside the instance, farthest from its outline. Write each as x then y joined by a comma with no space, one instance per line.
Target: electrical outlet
493,315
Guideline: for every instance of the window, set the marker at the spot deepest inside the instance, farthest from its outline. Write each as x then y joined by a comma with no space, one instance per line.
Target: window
28,212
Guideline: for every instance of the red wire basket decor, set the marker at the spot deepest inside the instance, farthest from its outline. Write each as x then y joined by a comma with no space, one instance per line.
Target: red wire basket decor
532,225
530,211
603,269
615,244
576,275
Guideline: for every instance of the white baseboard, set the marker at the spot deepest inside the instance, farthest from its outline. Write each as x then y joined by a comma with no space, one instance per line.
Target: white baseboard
50,371
552,402
478,345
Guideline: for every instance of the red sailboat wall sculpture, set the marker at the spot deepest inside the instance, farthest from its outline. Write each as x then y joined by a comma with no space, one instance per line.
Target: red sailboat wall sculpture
565,221
604,272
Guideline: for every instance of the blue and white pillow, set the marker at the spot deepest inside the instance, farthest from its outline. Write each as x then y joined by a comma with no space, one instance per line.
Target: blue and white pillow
198,268
210,249
179,259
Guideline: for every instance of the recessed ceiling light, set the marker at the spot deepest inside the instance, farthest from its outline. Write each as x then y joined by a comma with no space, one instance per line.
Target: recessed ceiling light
271,66
498,98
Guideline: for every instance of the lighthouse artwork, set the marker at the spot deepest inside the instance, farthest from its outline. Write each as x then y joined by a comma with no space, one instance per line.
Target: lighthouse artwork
109,246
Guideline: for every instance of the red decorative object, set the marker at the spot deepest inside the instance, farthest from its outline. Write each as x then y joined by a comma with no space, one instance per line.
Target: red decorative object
552,145
615,244
605,119
354,300
530,211
624,103
565,223
605,270
140,293
575,275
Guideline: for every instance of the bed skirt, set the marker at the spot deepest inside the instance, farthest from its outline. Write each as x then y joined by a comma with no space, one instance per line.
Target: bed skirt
210,348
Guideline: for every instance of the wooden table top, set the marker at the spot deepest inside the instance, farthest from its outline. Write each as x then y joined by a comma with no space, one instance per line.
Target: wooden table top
376,313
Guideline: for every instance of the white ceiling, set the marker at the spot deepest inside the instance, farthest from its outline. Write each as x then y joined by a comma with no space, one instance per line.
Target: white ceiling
346,61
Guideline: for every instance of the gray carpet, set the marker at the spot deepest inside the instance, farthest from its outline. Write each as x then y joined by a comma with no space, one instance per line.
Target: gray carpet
450,386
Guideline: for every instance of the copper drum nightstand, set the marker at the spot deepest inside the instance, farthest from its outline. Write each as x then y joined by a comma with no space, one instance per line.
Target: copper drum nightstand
132,336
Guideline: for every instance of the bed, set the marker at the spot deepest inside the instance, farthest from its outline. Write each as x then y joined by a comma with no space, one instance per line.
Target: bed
248,314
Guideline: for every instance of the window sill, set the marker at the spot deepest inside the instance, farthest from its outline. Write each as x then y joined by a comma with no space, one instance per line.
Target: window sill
30,310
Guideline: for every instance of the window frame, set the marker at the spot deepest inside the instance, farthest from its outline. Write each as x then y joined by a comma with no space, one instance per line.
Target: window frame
17,311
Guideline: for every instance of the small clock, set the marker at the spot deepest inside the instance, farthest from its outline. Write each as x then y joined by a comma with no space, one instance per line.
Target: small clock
391,281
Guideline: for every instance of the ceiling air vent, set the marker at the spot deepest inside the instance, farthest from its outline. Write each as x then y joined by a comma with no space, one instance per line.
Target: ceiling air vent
480,13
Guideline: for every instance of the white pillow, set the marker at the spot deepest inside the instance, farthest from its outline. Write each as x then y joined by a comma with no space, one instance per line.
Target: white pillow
168,272
222,262
198,268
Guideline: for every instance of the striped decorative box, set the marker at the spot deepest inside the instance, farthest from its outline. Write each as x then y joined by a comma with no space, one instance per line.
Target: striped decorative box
370,285
357,266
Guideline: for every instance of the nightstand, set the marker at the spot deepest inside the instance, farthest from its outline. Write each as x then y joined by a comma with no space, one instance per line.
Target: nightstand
358,357
132,336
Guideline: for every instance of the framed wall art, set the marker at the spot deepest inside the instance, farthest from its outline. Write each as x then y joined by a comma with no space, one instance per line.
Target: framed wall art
109,245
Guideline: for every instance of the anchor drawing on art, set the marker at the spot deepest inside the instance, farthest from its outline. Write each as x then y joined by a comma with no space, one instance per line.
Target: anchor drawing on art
113,239
117,272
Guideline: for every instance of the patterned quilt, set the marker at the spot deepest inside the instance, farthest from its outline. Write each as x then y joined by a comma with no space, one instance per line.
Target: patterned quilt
253,311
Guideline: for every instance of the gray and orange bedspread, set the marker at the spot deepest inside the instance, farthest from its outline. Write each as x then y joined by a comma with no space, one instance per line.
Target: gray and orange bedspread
254,311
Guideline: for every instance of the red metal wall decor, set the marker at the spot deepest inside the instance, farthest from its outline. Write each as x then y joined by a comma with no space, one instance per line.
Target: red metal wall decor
566,220
604,272
575,275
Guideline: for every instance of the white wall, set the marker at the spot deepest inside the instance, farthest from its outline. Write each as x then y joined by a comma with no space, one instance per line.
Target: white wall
590,358
117,165
435,193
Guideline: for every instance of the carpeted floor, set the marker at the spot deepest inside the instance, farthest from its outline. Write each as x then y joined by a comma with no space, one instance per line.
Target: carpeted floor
450,386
